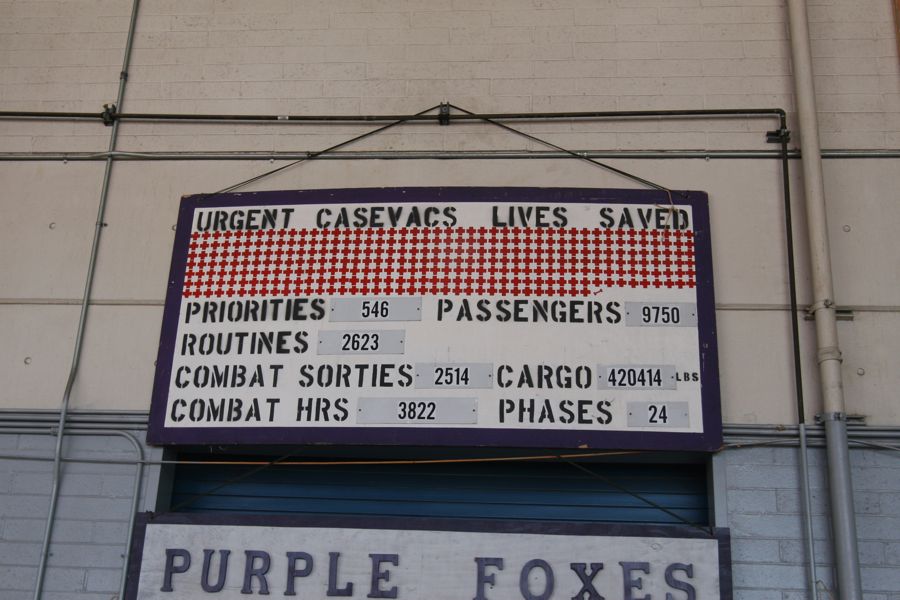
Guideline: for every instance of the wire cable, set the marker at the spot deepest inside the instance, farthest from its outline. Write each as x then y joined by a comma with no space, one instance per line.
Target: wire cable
314,155
571,153
581,156
657,506
190,500
283,461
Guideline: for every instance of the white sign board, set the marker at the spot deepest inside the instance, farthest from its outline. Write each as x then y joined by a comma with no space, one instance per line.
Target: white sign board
209,558
505,317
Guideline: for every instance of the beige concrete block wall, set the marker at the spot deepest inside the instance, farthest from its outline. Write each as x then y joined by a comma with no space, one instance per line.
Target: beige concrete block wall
402,56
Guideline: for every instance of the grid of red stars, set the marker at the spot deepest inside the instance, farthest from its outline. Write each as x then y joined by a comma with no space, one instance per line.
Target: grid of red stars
515,261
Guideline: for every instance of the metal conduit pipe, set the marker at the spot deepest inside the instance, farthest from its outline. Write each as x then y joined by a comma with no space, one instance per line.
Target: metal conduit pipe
138,421
440,155
82,318
805,493
729,445
399,155
113,116
815,431
828,349
136,492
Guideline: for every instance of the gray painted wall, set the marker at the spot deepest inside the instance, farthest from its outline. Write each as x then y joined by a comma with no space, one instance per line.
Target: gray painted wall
761,494
765,517
91,527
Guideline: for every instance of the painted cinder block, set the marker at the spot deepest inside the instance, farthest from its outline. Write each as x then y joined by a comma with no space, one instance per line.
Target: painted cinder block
753,551
769,576
109,532
23,506
14,579
103,580
20,554
745,594
752,501
444,19
65,580
540,17
876,479
771,477
84,555
881,578
795,551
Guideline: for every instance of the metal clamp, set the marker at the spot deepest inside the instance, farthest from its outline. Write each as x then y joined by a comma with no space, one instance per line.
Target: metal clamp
829,353
817,306
840,314
778,136
444,113
831,416
825,303
109,114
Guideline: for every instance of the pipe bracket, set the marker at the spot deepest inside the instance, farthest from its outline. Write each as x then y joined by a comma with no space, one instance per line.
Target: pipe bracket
109,114
820,305
831,416
829,353
778,136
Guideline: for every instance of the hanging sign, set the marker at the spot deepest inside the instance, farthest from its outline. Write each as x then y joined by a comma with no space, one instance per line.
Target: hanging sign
441,316
193,556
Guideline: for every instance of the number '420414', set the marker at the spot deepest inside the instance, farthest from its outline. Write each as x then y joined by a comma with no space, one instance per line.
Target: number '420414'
635,377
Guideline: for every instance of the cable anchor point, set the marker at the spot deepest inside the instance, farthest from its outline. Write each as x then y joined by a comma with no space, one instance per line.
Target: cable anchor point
444,113
109,114
778,136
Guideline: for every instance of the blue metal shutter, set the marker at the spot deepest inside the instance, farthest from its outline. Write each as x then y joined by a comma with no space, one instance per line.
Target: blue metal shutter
621,493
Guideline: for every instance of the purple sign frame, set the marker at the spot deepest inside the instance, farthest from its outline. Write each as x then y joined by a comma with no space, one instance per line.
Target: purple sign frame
720,534
709,440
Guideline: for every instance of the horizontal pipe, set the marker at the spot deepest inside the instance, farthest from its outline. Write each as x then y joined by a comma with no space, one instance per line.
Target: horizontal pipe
435,117
440,155
134,421
42,421
387,155
855,432
730,445
77,431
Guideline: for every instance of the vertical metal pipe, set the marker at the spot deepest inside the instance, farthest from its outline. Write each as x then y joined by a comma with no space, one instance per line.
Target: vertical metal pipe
135,505
805,496
828,349
82,318
843,518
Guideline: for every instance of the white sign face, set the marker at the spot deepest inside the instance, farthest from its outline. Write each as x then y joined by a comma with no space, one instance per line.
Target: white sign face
222,562
440,317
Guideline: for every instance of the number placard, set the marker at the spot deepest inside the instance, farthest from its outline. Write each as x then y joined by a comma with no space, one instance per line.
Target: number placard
417,411
370,341
637,377
658,414
454,375
659,314
355,310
